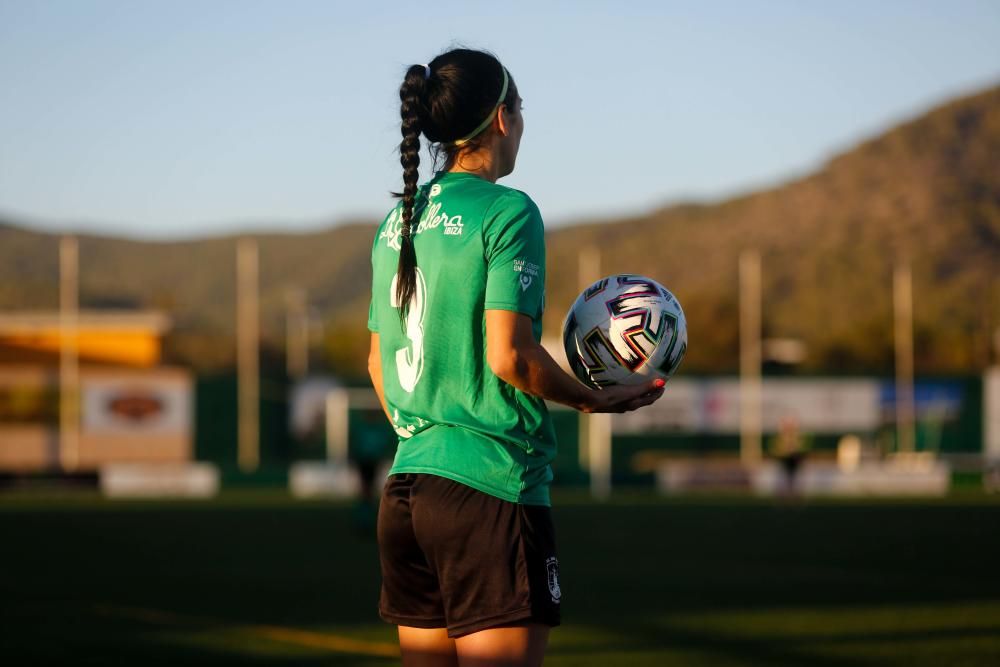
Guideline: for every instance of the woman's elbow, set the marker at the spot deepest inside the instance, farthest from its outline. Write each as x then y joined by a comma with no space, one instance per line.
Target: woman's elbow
507,364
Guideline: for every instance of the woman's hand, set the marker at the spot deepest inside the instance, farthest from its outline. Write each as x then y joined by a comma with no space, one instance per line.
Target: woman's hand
622,398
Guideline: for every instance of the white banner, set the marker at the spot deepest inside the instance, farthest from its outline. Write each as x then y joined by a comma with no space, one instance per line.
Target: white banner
136,404
713,406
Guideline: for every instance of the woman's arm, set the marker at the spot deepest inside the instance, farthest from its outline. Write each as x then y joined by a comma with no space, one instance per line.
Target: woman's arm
375,371
518,360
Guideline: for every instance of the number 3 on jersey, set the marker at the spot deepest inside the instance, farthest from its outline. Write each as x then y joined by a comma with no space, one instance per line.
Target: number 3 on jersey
410,359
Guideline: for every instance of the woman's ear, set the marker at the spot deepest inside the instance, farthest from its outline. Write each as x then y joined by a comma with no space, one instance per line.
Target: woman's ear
503,120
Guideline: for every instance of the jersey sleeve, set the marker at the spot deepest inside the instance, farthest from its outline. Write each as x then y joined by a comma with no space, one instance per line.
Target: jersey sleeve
514,244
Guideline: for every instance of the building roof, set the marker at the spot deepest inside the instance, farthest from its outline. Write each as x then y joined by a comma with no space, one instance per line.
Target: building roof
21,322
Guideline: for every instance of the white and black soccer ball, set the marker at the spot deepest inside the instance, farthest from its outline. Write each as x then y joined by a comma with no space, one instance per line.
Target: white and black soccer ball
624,329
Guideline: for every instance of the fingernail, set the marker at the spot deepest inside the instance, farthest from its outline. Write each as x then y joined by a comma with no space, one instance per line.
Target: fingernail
660,383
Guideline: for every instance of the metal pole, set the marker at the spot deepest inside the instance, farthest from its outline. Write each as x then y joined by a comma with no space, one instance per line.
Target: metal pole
337,426
589,266
991,415
750,358
69,366
589,272
296,334
247,355
599,441
905,402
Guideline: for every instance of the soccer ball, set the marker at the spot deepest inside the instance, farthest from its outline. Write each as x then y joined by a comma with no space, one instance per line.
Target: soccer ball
624,329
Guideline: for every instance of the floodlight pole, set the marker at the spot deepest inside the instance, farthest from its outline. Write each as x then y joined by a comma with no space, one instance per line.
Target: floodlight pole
905,402
595,429
247,355
337,426
750,358
296,334
599,444
69,360
588,271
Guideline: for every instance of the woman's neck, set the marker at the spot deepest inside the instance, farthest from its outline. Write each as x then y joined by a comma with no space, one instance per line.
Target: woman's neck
480,163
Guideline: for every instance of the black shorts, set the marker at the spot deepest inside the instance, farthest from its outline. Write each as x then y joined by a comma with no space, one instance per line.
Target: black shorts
457,558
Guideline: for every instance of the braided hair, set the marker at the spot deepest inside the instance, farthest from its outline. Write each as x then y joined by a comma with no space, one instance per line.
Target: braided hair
445,101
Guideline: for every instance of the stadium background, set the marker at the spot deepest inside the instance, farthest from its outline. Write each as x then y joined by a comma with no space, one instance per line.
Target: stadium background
178,416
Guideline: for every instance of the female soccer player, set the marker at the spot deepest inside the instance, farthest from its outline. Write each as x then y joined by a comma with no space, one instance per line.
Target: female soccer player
466,541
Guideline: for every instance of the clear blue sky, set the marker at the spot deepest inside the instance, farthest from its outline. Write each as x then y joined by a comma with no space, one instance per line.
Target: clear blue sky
179,118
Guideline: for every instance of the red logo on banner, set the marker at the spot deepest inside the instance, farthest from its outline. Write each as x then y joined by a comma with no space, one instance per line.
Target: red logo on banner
135,407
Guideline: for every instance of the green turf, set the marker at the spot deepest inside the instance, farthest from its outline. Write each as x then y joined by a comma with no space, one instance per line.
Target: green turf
709,581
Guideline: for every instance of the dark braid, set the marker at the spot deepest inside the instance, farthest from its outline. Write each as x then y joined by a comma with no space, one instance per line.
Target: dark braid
459,94
409,156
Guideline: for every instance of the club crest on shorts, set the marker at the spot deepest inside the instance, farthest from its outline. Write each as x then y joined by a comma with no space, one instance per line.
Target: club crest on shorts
552,570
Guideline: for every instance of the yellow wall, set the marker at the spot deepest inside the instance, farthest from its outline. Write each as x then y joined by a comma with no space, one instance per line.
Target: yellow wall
129,347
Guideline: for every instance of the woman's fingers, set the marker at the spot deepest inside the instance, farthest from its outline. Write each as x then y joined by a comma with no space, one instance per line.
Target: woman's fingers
644,400
626,399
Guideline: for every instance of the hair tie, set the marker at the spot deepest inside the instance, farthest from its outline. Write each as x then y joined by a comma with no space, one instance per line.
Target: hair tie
427,72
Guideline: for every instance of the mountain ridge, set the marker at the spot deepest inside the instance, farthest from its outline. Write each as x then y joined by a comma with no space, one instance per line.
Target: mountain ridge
926,192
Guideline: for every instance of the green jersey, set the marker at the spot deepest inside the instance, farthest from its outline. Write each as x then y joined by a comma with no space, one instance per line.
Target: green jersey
479,246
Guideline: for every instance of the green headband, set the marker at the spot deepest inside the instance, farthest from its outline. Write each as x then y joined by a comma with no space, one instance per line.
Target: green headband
489,117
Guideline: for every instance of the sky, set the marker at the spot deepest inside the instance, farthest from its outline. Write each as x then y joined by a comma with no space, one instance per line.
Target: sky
179,119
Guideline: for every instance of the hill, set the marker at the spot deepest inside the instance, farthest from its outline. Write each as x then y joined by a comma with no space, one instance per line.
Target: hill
927,191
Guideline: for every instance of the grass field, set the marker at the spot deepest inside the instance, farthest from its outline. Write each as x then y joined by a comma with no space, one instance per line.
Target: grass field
255,578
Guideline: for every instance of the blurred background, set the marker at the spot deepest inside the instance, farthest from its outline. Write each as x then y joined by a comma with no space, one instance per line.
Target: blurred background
189,445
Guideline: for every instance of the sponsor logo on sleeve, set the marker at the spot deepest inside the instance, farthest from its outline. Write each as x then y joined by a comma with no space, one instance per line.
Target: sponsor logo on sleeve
528,270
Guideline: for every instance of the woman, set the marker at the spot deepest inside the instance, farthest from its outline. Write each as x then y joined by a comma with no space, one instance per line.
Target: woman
466,542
